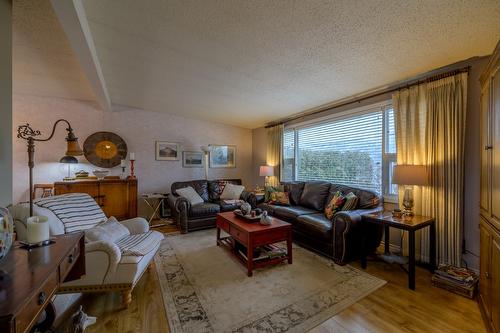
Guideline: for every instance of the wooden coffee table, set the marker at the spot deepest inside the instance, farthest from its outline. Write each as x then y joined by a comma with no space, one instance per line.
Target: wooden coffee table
252,235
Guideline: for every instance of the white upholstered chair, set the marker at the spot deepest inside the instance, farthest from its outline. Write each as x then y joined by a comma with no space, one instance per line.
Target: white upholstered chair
111,265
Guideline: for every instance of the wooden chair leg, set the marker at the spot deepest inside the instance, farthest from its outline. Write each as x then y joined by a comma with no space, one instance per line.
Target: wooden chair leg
126,298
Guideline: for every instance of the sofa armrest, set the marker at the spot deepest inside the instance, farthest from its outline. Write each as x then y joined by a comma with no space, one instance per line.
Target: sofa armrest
136,225
249,197
180,207
110,249
346,223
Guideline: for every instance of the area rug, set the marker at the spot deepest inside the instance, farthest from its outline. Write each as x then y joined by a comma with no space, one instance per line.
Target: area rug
206,289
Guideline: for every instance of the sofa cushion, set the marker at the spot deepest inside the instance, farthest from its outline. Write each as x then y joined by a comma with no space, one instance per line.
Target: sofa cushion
334,205
316,226
279,198
314,195
229,206
216,187
295,190
200,186
206,209
291,213
190,194
110,231
366,198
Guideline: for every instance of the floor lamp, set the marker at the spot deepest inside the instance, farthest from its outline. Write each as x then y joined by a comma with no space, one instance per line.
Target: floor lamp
25,132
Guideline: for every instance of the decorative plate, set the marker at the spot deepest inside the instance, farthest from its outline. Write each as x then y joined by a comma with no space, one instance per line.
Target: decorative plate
105,149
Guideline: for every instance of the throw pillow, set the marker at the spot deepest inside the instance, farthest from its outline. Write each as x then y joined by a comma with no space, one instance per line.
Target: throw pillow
270,189
351,201
109,231
334,205
280,198
190,194
232,192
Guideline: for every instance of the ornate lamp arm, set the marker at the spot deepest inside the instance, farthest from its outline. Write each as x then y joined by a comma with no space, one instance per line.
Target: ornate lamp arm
25,132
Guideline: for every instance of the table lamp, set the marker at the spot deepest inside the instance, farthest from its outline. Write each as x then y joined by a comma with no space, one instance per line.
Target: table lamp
266,171
409,175
68,160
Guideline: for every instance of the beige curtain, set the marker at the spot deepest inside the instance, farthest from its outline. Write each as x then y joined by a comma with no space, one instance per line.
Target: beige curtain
430,130
274,149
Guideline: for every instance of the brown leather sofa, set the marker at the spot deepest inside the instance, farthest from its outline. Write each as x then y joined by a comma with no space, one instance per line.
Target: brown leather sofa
201,216
339,238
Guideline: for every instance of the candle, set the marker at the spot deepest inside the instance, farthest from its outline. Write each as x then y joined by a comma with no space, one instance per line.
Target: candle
38,229
132,156
122,163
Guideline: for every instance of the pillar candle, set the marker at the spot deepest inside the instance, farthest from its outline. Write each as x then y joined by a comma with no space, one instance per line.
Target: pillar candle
132,156
122,163
38,229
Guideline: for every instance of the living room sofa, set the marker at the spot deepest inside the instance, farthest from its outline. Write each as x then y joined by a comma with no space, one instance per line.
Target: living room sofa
339,238
201,216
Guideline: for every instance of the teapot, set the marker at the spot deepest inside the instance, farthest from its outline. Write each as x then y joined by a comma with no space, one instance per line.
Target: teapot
245,208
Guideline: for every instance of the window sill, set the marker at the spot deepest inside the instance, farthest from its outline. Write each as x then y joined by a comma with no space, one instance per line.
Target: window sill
393,199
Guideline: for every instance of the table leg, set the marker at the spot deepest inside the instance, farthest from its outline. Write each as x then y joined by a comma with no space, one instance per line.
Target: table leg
411,262
249,259
363,250
218,236
432,251
289,247
386,239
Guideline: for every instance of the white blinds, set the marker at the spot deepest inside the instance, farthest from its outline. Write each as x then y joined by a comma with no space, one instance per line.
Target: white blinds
343,151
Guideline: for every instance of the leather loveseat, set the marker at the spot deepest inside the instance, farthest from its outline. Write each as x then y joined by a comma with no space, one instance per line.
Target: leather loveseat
339,238
201,216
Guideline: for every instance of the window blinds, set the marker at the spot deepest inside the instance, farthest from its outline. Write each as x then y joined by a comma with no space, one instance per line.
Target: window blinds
343,151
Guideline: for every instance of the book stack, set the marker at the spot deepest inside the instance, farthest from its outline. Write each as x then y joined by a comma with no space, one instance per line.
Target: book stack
455,279
263,252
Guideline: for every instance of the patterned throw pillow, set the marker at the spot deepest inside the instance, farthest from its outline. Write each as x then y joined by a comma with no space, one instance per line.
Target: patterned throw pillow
334,205
280,198
270,189
351,201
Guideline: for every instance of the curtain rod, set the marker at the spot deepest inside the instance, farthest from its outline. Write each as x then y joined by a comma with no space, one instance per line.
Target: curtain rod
388,90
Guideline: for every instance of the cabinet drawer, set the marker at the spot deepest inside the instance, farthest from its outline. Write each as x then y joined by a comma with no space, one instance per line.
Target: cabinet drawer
68,262
238,234
33,307
274,236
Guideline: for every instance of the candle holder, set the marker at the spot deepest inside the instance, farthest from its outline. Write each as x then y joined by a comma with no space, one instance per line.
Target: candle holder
132,176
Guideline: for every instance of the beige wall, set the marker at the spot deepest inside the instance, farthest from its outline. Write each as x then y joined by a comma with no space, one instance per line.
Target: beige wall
138,128
259,146
5,103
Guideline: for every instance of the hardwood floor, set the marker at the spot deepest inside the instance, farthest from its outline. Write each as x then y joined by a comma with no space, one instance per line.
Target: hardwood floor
392,308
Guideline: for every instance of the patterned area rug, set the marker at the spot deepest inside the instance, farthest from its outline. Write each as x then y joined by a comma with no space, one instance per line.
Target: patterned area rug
206,289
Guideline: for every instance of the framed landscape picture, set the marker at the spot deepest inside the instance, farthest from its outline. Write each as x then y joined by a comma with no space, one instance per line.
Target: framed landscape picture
222,156
192,159
167,151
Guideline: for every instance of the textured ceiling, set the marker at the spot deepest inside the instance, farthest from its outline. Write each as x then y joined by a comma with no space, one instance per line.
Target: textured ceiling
246,62
42,59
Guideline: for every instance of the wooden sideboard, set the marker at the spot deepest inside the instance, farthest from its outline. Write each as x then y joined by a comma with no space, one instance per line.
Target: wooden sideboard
117,197
29,279
489,226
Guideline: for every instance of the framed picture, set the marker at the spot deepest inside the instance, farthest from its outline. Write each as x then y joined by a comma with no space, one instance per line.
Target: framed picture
222,156
167,151
192,159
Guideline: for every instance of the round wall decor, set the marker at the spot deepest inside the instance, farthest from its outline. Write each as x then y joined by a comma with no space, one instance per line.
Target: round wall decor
105,149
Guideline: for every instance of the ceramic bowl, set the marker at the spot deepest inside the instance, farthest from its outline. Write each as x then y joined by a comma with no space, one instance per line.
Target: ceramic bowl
100,174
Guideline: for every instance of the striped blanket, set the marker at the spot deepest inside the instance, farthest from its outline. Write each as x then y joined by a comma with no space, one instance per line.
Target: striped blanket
139,244
77,211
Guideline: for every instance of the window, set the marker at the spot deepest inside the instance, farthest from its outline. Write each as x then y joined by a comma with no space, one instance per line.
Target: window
356,149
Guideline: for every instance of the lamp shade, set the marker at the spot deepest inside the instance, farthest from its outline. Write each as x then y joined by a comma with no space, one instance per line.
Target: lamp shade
73,148
68,159
266,170
410,175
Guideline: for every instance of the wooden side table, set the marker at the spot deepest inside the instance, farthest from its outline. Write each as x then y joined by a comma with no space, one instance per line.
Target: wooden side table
410,224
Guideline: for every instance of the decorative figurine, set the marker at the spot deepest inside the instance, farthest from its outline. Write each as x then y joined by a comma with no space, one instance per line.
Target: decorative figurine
265,219
245,208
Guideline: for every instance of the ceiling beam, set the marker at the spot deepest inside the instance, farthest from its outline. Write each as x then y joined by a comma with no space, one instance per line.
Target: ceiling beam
71,15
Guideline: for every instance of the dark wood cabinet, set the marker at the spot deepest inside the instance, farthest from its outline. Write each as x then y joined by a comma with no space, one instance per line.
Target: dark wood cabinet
29,279
489,279
117,197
